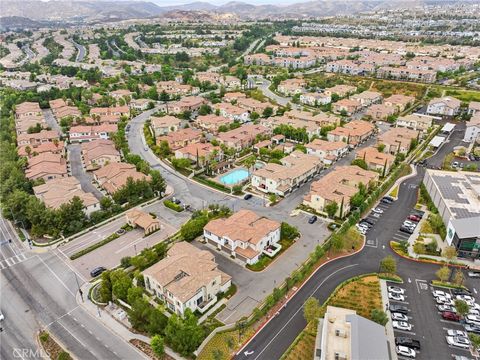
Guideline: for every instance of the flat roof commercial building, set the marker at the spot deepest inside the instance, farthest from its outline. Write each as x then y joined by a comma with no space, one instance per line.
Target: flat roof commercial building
457,198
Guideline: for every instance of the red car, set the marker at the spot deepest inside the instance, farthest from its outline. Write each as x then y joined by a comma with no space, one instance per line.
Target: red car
414,218
448,315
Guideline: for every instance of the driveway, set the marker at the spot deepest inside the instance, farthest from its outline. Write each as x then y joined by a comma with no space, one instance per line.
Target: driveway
78,171
51,121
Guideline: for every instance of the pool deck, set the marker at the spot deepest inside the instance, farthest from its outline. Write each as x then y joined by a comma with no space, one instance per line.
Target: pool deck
218,177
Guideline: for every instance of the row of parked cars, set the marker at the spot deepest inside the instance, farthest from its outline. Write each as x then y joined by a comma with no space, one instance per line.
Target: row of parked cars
365,224
412,221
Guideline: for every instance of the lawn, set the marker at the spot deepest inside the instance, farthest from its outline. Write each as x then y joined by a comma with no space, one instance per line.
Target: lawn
394,192
222,346
427,228
464,95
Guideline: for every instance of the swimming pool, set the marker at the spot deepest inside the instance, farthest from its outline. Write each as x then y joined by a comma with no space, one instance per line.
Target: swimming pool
234,177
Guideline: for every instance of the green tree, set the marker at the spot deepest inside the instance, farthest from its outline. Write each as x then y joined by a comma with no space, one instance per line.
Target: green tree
193,228
267,112
461,307
449,253
157,182
331,209
164,149
338,242
475,340
443,273
184,335
133,294
388,265
458,277
311,309
379,316
139,314
121,282
157,322
157,345
360,163
288,231
381,147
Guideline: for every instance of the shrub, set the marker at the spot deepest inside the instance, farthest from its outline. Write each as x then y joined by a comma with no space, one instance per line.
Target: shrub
171,205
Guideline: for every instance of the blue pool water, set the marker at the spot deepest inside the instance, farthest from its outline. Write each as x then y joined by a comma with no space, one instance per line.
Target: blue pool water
234,177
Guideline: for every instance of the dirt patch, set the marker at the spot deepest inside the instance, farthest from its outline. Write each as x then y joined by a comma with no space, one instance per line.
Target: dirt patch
147,349
53,349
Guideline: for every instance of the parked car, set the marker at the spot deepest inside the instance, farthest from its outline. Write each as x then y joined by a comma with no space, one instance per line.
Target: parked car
398,308
396,297
418,213
396,289
414,218
472,319
409,342
472,328
473,312
247,196
401,325
406,351
443,307
455,164
474,274
437,293
452,332
368,221
408,223
389,198
97,271
443,300
461,292
448,315
458,341
376,215
399,317
467,298
363,222
312,219
385,201
406,230
377,210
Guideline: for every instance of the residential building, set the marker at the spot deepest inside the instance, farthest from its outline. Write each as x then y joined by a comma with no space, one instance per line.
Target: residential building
340,90
211,122
397,140
189,103
415,121
327,151
353,133
58,191
472,131
347,106
253,105
46,166
164,124
233,96
456,195
376,160
117,111
55,147
446,106
295,170
257,59
98,153
35,139
233,112
380,112
342,334
138,218
473,108
338,187
114,176
27,109
140,104
290,87
243,136
199,153
315,99
244,235
404,73
187,278
367,98
399,101
181,138
82,133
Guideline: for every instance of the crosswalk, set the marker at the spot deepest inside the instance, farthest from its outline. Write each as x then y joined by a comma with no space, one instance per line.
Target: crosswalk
16,259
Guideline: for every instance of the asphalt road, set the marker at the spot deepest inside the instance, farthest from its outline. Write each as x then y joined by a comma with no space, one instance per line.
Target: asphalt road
51,121
78,171
81,51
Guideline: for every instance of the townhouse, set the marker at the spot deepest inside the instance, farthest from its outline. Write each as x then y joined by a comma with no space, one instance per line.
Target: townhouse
242,137
140,104
253,105
233,96
472,131
245,235
187,278
35,139
232,112
98,153
415,121
28,115
181,138
205,76
56,192
162,125
176,88
294,62
399,102
230,82
367,98
116,111
338,187
473,108
397,140
295,170
353,133
83,133
376,160
199,153
189,103
320,119
211,122
114,176
290,87
61,109
46,166
315,99
346,106
54,147
257,59
404,73
378,112
446,106
327,151
121,94
349,67
340,90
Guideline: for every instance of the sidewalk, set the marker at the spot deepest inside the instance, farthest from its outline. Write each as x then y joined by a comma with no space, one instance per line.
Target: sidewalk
388,326
106,319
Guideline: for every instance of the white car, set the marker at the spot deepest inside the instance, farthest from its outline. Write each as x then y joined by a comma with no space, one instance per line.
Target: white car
2,317
473,312
472,319
441,293
443,307
401,325
377,210
408,223
443,300
470,300
396,297
361,226
376,215
461,333
406,351
399,317
458,341
396,290
475,306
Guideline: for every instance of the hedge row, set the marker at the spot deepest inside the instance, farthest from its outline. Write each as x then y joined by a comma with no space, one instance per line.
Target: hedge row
171,205
94,246
212,183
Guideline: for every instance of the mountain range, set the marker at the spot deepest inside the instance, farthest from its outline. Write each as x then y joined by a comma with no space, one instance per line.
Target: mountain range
82,11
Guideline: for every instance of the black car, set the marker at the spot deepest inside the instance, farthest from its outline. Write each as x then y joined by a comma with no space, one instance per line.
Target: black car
97,271
461,292
389,198
398,308
406,229
368,221
312,219
418,213
385,201
408,342
248,196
